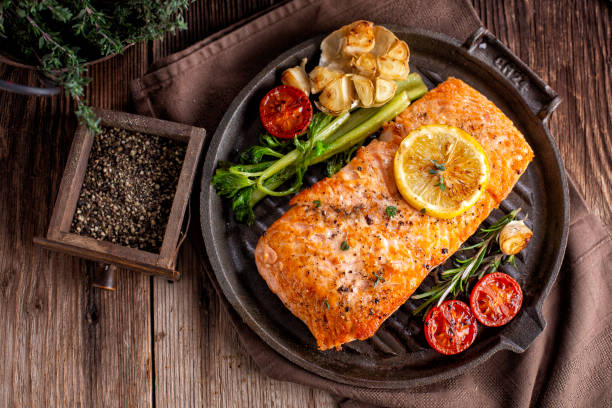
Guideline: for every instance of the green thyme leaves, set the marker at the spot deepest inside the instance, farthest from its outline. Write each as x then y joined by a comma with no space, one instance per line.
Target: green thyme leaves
440,183
379,278
438,169
391,211
438,166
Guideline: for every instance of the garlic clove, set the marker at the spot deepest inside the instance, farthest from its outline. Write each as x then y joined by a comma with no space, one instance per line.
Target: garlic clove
364,89
359,38
337,96
383,40
365,65
398,51
392,69
384,90
327,111
514,237
321,76
331,47
297,77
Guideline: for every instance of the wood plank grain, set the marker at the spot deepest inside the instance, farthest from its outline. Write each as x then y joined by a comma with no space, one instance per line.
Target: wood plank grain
110,79
199,360
190,326
207,17
64,344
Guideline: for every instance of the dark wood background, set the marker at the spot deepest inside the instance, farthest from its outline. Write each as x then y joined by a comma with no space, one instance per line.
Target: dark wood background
152,343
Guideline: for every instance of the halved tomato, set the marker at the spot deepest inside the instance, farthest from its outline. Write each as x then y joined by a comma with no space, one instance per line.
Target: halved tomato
285,111
451,327
496,299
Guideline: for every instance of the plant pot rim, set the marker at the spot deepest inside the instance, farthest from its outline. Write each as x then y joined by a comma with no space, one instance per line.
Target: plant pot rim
6,59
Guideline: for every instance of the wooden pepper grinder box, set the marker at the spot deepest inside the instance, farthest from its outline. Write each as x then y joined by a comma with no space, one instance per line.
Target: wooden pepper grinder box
110,255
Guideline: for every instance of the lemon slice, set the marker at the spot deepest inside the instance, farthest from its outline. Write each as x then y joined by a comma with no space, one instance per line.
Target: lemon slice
441,170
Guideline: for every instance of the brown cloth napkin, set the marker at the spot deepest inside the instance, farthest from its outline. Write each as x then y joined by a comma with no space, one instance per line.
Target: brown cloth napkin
569,364
195,86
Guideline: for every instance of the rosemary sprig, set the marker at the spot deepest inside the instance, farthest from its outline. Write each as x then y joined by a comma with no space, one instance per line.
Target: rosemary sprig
456,280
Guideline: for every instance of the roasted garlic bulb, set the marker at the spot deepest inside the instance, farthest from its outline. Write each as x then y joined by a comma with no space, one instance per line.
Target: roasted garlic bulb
359,65
365,57
514,237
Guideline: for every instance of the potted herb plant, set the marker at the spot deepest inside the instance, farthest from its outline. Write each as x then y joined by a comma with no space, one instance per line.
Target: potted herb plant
61,38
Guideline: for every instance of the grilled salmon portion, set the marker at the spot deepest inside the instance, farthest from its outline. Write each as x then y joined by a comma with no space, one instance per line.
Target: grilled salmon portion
340,263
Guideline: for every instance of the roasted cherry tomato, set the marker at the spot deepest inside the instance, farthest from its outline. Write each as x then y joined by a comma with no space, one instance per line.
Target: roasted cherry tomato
496,299
451,327
285,111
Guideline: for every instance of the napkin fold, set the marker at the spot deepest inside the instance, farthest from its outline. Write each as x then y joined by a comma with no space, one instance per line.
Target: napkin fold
569,364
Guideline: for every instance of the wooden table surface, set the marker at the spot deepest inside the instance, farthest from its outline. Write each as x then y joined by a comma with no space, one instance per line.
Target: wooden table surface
152,343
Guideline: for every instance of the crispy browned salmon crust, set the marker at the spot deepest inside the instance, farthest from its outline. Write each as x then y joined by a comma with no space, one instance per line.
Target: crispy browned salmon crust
344,266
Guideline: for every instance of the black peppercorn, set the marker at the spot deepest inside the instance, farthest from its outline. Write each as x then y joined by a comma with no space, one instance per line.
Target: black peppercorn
128,189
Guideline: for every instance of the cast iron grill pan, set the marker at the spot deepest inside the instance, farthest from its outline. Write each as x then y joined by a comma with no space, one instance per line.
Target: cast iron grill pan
397,356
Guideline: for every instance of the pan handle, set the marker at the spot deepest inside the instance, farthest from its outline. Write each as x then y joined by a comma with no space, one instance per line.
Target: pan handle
541,98
28,90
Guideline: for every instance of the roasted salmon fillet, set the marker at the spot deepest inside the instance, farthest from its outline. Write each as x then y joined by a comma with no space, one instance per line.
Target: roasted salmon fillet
340,263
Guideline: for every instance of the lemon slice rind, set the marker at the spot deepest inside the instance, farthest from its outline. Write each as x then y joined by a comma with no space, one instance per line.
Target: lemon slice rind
465,163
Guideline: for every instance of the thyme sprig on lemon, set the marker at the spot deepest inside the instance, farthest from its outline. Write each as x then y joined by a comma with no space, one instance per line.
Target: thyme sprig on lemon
438,170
